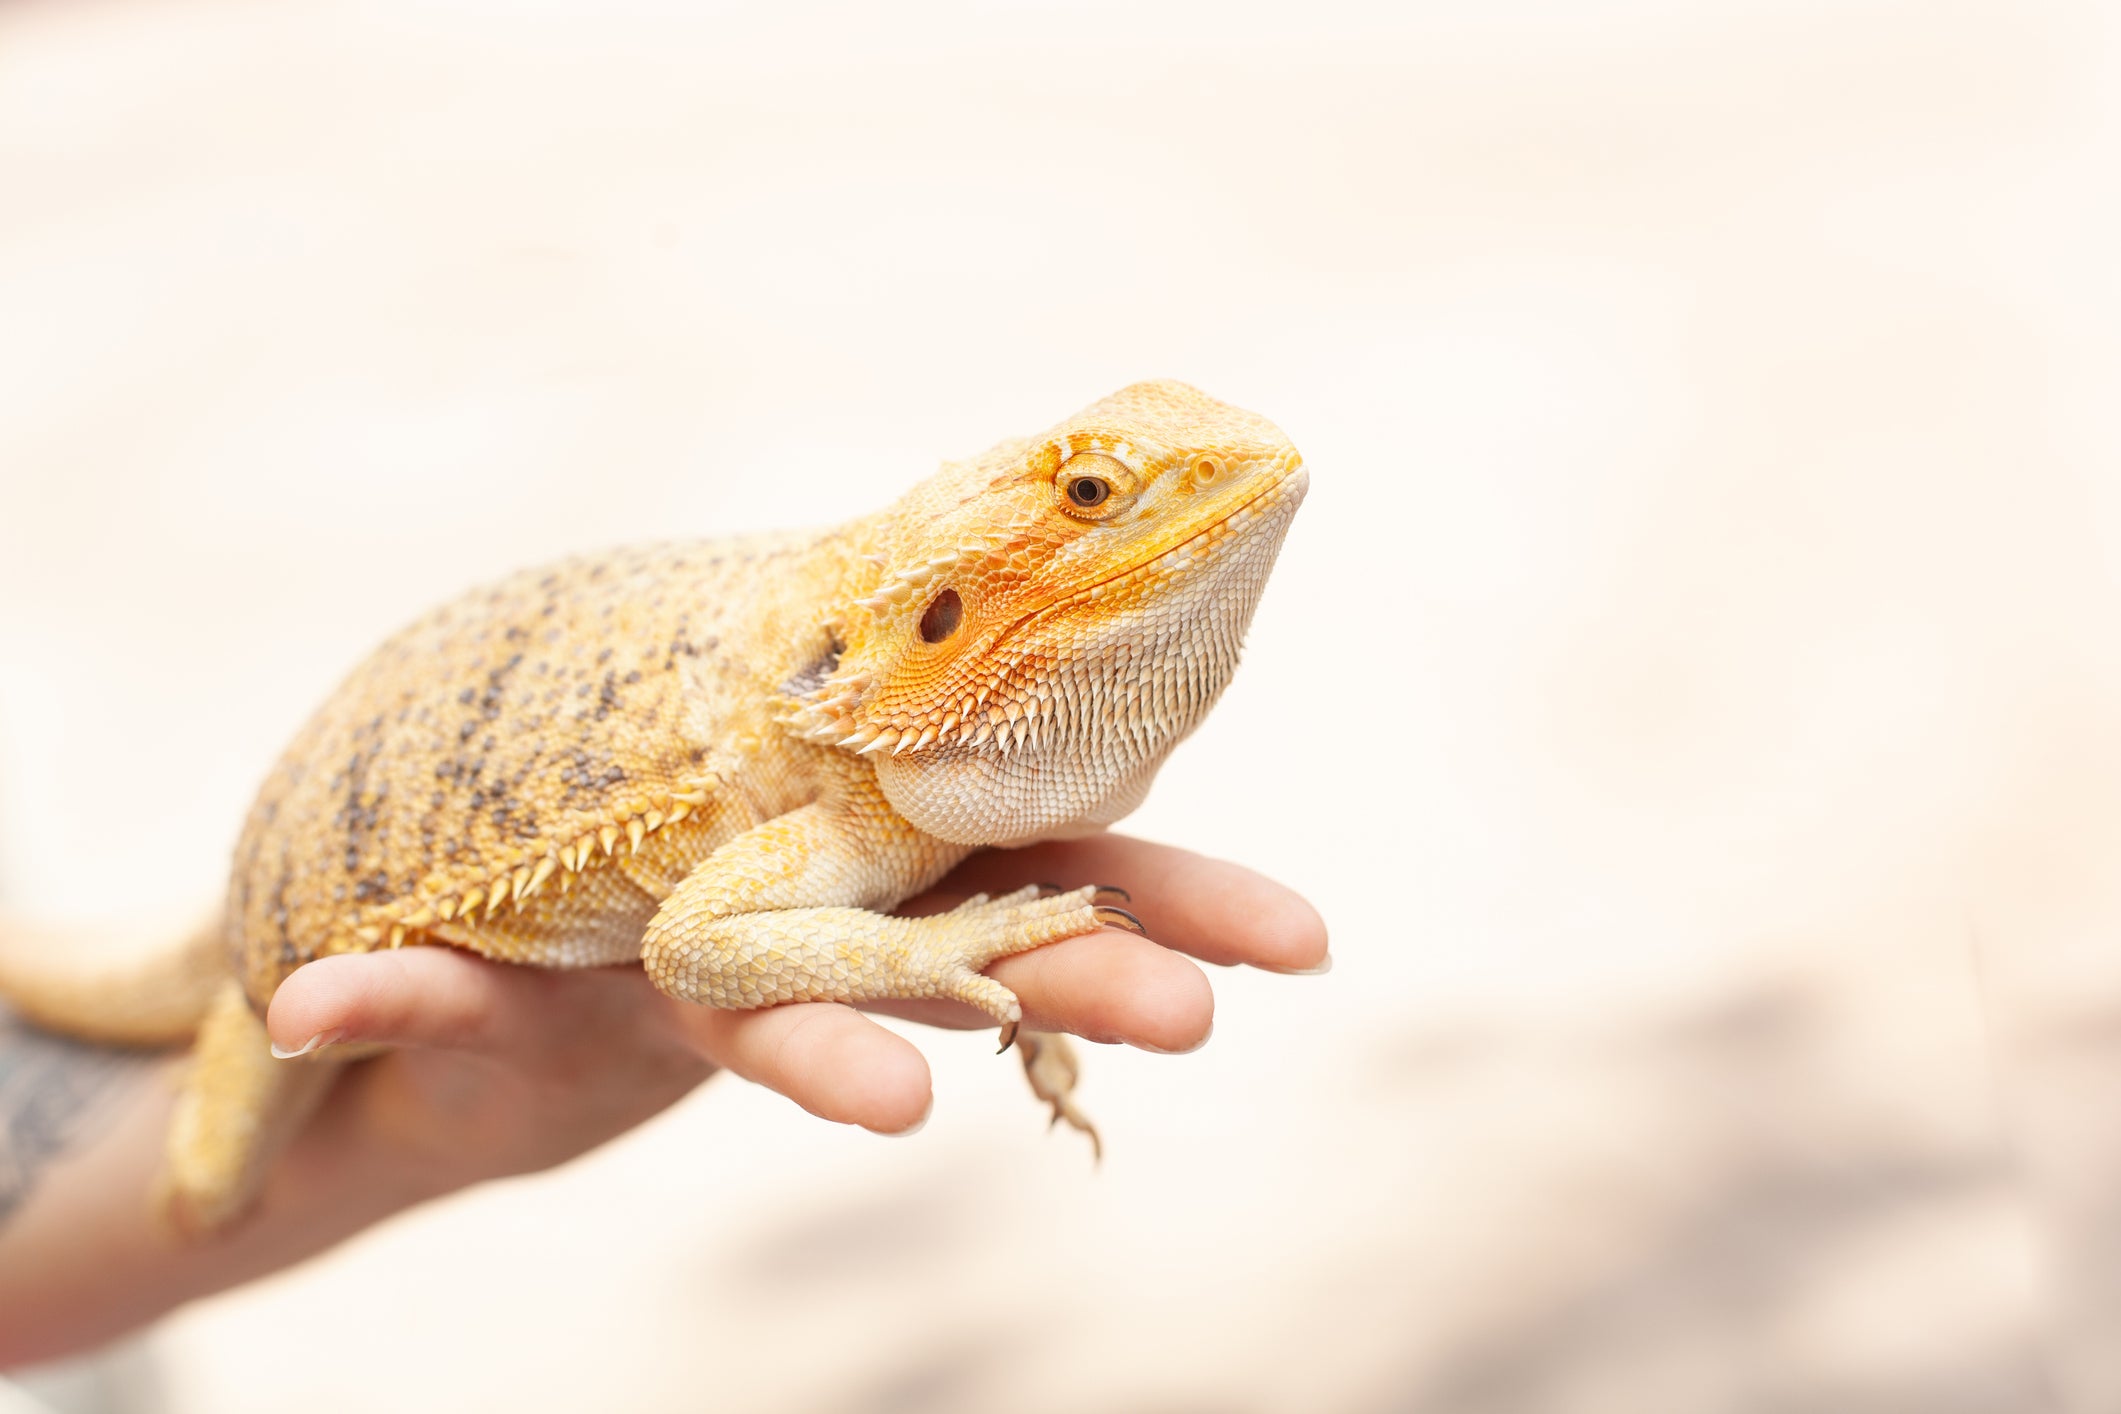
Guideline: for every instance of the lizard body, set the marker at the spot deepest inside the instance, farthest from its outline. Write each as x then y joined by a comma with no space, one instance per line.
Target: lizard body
726,759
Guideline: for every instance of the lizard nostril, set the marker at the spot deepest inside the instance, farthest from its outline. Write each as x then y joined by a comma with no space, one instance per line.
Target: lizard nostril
941,620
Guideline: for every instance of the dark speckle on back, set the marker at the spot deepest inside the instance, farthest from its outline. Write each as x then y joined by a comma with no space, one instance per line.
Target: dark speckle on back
492,732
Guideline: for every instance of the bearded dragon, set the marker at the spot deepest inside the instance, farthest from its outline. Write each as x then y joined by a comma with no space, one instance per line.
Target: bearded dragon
726,759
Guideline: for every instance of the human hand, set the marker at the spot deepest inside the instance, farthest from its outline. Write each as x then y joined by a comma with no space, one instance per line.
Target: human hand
494,1069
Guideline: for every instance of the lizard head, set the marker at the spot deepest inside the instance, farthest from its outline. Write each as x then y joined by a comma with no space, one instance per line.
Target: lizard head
1039,626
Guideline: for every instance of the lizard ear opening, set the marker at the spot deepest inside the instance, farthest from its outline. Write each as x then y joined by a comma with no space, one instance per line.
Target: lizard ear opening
945,612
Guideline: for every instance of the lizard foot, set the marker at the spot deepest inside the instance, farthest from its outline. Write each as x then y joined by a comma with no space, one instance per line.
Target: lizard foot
1051,1067
1028,918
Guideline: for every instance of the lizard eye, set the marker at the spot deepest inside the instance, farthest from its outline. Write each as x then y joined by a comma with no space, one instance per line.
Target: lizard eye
941,620
1091,485
1087,491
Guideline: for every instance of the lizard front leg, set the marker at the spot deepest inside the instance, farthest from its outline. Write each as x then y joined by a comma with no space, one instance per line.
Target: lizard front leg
787,912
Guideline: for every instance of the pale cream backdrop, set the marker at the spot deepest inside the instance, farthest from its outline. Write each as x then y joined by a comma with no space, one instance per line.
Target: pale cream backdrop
1691,693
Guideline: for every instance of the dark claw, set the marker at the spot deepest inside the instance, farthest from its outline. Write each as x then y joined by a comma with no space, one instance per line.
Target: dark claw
1119,918
1124,896
1008,1037
1045,889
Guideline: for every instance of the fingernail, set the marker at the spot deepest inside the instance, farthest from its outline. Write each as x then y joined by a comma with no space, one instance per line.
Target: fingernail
315,1043
1319,969
1160,1051
914,1128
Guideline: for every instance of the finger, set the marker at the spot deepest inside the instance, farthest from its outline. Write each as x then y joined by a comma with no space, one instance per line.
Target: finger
447,999
1212,909
830,1059
1107,986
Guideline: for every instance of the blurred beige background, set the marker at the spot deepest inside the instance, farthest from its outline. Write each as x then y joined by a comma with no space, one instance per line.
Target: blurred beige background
1690,692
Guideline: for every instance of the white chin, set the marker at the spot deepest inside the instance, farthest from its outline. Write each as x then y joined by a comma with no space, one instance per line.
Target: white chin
974,797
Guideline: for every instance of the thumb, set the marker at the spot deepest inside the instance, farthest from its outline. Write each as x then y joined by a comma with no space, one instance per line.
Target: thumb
432,997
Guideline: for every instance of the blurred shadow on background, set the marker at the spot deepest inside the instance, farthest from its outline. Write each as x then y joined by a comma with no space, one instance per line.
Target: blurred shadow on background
1717,1208
1777,1192
2064,1084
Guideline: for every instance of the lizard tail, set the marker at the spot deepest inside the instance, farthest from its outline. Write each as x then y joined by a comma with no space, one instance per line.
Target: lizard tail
84,987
